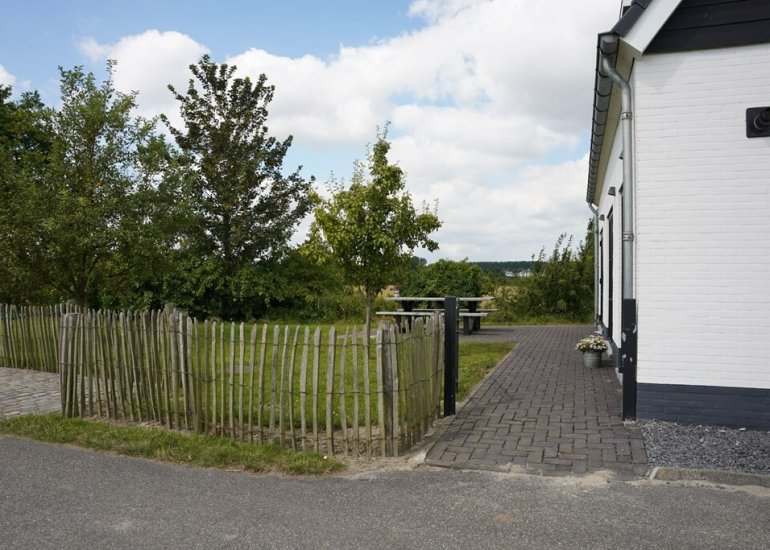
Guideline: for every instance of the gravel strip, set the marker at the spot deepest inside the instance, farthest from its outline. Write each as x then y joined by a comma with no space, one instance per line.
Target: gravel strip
706,447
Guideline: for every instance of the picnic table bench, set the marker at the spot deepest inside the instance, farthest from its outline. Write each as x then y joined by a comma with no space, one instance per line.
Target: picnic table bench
469,320
471,315
406,316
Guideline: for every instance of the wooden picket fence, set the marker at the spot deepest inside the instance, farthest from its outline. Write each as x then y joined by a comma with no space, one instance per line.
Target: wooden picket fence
327,390
29,336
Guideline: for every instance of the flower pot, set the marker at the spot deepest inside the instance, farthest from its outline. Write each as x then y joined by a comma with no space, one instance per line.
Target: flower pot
592,359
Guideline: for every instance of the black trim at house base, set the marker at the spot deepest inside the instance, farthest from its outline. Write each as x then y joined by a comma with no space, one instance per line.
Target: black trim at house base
628,358
707,405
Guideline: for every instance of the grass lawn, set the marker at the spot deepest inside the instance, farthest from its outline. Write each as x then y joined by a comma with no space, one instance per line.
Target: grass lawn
167,446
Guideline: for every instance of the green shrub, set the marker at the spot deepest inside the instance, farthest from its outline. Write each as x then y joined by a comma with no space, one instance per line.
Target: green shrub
560,288
447,278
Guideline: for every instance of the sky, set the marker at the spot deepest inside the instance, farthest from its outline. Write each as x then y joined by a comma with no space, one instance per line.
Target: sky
488,101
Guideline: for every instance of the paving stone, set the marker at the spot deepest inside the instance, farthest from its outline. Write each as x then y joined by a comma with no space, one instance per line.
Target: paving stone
539,406
558,461
535,456
638,456
595,462
573,456
579,466
26,391
478,454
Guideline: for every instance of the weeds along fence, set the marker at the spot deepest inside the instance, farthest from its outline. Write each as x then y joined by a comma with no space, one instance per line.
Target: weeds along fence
29,336
333,391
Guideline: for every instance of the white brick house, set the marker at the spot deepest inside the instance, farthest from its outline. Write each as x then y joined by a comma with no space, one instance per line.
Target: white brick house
684,256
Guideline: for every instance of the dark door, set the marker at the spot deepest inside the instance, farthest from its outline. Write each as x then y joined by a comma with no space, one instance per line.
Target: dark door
610,262
601,276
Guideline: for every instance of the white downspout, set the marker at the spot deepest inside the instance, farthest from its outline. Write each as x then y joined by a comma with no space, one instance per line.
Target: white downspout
597,297
626,119
628,349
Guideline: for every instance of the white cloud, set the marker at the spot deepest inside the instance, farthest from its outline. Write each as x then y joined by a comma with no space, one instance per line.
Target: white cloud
513,219
516,59
6,78
93,50
434,10
479,98
316,101
148,63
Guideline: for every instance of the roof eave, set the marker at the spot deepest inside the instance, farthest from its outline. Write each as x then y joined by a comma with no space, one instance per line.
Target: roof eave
607,46
632,33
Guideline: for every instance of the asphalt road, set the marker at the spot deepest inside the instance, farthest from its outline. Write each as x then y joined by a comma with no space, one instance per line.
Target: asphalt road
61,497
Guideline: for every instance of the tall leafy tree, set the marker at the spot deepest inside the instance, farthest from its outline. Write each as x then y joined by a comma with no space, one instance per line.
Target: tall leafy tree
101,186
371,228
84,213
24,146
242,208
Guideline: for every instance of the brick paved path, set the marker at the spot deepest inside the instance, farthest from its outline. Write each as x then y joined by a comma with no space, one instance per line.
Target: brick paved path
27,391
540,411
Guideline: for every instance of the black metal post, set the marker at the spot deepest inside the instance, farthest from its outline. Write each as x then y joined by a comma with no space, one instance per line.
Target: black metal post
628,358
451,355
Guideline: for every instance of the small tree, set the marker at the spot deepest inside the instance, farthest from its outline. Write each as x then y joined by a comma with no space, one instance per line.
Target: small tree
242,209
371,228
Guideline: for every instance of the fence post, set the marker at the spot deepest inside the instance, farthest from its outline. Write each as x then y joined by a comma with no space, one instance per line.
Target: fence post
66,374
451,355
389,395
395,385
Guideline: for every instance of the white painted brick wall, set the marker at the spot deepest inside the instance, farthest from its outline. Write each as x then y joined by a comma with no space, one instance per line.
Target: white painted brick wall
703,219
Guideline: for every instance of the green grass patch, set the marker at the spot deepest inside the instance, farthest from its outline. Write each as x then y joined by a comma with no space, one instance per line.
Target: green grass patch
476,360
167,446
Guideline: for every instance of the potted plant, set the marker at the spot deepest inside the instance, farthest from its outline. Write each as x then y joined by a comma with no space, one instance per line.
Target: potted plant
592,347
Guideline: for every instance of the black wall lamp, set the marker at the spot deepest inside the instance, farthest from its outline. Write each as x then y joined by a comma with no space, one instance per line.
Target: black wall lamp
611,191
758,122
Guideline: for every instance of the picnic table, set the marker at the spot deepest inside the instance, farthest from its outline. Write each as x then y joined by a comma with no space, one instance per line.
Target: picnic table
406,316
471,315
473,308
